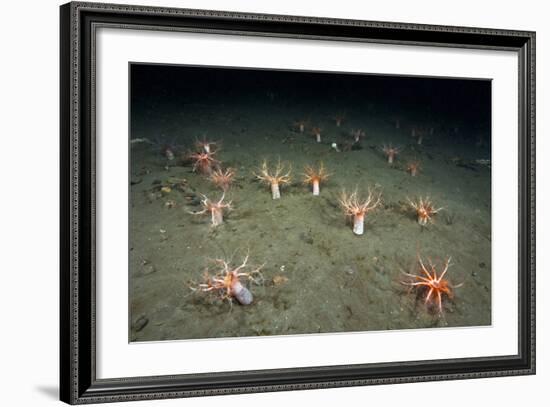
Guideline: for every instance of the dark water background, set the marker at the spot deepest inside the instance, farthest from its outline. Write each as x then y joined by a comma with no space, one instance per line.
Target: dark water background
317,275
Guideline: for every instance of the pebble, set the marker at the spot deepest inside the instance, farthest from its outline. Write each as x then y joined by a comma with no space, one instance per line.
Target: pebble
170,204
350,270
140,323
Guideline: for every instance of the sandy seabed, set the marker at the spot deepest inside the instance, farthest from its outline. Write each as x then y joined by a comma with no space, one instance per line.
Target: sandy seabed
318,277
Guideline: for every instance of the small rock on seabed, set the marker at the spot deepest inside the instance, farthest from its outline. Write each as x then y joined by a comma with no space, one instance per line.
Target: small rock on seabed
140,323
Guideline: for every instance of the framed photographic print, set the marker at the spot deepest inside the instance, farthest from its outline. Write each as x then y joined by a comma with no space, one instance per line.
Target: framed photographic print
258,203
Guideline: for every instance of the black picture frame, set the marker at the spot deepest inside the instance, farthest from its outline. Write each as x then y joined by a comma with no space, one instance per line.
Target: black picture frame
78,382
